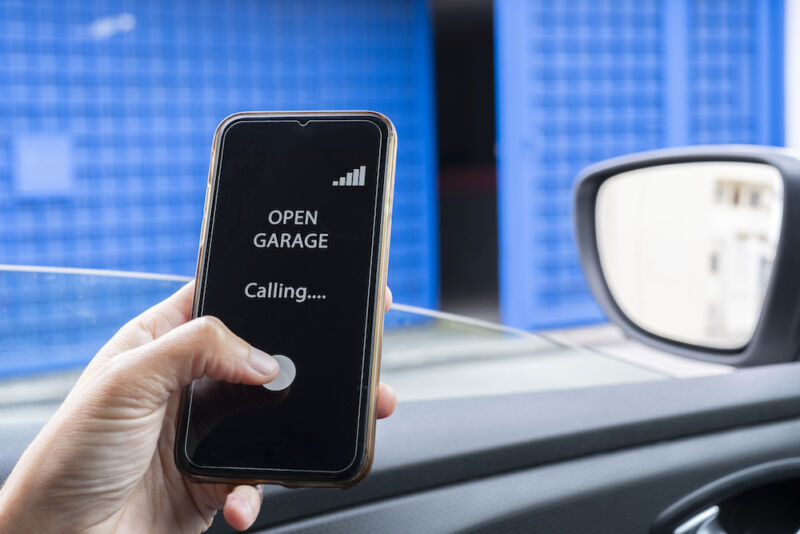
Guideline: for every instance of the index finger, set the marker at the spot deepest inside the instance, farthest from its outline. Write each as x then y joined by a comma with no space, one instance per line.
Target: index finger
387,300
170,313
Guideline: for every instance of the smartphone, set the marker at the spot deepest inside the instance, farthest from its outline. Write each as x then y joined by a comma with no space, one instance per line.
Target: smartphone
293,258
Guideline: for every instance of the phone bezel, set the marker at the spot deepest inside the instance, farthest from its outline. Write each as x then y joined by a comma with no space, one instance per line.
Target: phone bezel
361,465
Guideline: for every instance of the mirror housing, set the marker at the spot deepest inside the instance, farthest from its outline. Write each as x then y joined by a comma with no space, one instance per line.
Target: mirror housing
776,334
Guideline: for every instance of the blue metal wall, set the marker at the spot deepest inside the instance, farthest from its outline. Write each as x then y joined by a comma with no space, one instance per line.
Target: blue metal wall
108,107
585,80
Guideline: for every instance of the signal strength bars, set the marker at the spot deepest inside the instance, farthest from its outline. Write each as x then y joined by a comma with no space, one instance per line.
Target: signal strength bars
354,178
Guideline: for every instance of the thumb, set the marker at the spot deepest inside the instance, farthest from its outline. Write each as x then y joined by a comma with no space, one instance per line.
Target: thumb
201,347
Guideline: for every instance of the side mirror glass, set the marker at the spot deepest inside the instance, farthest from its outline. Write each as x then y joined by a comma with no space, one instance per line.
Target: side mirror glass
692,250
687,248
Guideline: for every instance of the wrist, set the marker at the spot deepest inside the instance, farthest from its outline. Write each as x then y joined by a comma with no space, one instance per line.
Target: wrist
24,506
16,515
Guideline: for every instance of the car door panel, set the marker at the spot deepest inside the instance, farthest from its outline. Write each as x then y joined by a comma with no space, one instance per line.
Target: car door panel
614,492
640,448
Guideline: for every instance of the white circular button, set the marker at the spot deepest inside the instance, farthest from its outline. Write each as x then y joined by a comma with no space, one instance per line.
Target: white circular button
285,375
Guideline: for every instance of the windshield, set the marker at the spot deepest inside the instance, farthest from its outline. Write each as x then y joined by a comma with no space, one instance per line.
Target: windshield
108,111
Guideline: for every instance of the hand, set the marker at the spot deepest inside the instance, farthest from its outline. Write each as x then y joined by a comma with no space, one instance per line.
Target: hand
104,461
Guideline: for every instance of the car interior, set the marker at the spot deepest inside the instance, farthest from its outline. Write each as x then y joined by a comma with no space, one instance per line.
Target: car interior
635,370
610,446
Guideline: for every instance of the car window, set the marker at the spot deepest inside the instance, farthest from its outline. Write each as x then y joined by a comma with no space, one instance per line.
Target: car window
108,109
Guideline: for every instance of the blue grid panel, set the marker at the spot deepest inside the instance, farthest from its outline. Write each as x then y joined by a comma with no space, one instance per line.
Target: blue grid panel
139,87
587,80
735,68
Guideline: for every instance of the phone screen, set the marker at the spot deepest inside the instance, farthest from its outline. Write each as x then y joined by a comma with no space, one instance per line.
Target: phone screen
290,265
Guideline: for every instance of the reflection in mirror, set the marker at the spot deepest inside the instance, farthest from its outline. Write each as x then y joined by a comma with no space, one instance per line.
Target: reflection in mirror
687,249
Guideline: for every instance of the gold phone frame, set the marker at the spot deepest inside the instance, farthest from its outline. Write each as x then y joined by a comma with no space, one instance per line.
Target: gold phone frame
380,293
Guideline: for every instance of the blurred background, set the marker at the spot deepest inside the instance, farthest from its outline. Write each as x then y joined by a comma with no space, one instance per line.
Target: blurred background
108,108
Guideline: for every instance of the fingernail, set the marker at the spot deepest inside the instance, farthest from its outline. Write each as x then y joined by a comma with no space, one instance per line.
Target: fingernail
255,507
263,363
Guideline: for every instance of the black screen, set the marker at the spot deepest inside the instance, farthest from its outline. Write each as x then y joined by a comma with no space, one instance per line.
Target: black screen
291,261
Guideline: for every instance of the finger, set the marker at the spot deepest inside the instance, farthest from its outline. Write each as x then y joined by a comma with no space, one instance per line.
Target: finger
169,313
242,507
152,323
201,347
387,400
387,300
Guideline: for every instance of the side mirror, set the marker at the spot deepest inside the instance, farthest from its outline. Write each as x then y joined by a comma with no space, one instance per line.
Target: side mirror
696,250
